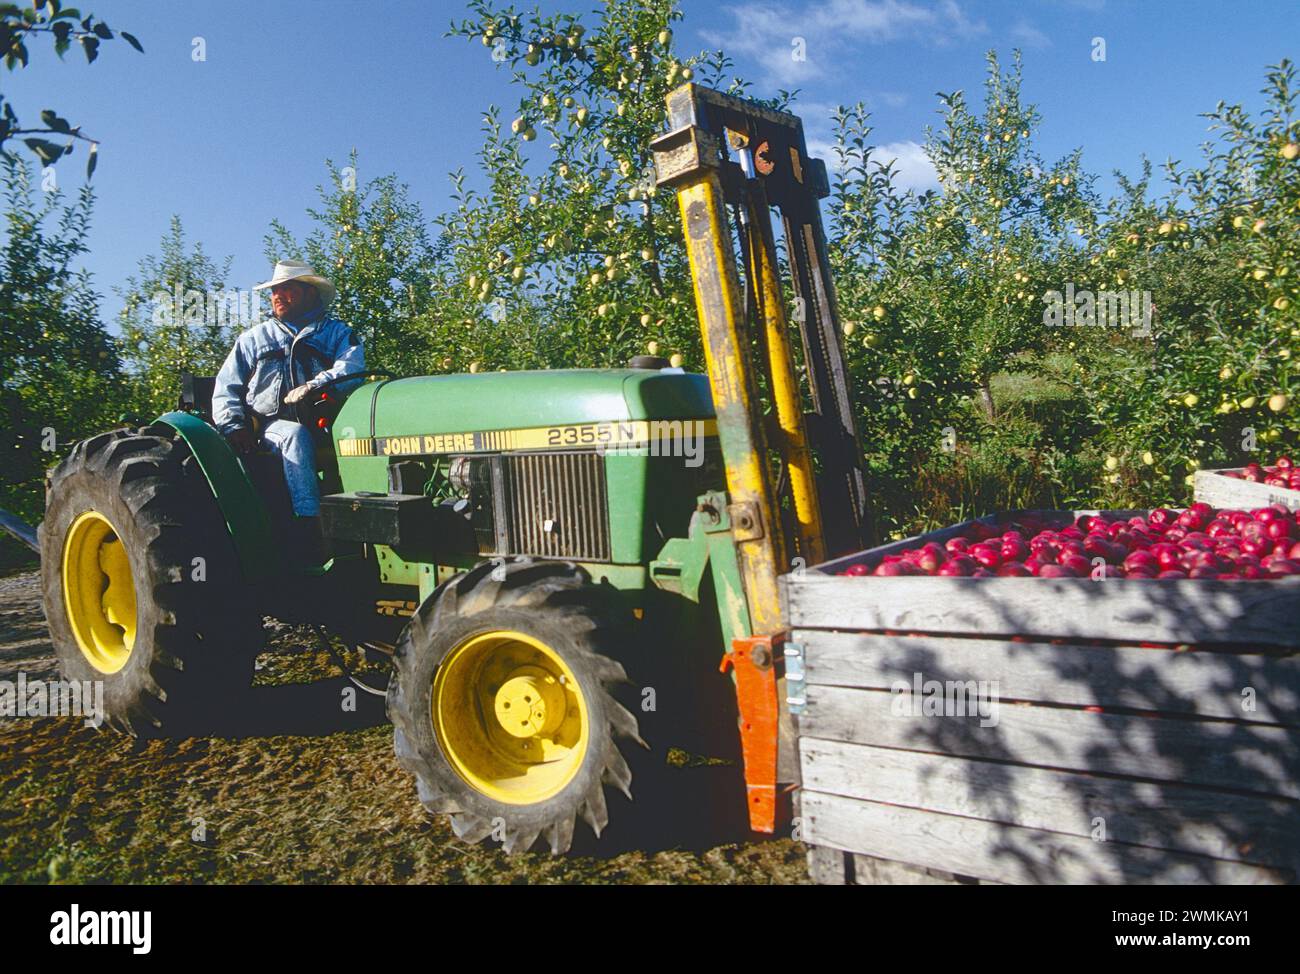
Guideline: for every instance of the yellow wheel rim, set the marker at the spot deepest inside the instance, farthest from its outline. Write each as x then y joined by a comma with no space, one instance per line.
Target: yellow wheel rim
510,717
98,592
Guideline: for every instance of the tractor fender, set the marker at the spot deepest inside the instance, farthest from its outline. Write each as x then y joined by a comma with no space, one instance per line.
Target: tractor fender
247,518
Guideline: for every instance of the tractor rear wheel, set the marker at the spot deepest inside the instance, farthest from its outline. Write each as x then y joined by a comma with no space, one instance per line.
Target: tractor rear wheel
141,586
503,707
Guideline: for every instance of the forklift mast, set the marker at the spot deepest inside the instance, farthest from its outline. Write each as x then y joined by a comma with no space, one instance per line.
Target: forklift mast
731,160
794,479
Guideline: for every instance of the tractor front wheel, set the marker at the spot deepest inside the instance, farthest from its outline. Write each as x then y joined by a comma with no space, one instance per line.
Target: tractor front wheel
503,708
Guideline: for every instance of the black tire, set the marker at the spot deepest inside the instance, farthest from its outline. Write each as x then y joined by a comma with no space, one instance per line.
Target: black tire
555,603
195,637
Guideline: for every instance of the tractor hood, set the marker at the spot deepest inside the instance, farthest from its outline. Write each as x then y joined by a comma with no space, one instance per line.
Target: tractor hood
435,404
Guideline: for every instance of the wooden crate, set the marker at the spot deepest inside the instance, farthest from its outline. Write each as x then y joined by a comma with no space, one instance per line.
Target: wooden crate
1232,493
1146,731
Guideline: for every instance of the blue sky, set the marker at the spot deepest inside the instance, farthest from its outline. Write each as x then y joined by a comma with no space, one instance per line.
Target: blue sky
240,138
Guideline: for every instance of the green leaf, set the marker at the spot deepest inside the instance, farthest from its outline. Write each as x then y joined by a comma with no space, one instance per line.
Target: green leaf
55,123
91,46
47,152
101,30
130,39
90,162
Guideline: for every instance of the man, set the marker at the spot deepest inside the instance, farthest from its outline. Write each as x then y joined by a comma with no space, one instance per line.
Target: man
275,365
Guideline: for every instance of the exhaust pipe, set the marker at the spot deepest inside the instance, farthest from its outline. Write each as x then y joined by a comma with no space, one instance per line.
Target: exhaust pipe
20,529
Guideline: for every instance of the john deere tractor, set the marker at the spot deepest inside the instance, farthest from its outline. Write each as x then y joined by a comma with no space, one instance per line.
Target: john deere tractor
562,566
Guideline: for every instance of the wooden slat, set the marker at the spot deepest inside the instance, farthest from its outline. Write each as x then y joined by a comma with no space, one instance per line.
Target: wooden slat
1200,821
1263,613
1230,493
1005,853
1206,684
826,866
870,871
1254,758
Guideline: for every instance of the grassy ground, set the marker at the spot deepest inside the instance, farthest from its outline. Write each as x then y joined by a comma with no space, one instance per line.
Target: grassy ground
298,801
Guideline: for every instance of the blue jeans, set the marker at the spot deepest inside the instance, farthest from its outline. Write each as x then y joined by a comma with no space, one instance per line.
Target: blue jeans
292,443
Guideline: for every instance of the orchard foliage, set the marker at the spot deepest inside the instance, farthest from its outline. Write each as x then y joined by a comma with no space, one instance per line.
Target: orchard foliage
570,256
943,295
941,291
176,317
371,240
1219,252
561,252
61,378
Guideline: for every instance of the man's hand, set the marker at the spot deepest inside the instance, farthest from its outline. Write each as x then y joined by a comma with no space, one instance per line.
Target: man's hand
242,441
299,394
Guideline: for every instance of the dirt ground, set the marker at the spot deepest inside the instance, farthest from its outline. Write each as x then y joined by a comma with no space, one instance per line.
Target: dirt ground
296,799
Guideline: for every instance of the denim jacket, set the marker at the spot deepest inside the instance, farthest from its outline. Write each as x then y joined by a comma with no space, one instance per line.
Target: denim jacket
270,359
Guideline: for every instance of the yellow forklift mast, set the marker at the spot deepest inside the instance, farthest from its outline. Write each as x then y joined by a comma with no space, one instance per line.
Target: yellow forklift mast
794,476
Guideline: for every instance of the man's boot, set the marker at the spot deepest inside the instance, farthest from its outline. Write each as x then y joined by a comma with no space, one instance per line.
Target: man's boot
308,547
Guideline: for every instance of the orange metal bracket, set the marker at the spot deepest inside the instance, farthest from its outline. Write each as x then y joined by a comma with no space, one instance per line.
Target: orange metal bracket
756,660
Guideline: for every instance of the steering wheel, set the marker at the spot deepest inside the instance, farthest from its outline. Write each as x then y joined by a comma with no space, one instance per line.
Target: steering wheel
318,413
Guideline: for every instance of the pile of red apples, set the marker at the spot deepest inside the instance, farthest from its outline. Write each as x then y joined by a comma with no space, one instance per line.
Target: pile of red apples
1199,542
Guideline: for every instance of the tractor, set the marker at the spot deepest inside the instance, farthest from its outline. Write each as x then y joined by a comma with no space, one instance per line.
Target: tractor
555,565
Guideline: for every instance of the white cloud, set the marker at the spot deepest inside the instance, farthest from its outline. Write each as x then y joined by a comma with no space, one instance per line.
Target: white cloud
912,167
1029,35
795,45
824,150
876,21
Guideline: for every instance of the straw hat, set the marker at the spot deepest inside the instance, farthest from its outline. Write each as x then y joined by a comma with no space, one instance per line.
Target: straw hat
297,270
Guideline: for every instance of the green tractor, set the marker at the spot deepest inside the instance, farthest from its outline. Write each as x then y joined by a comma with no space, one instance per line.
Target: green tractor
506,566
555,562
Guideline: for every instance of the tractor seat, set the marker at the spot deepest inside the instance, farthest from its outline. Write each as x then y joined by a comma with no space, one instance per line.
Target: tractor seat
196,394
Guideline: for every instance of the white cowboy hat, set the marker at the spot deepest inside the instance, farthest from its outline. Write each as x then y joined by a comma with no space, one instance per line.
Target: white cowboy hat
297,270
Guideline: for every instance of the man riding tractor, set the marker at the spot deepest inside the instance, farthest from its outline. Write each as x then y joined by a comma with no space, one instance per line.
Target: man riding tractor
277,365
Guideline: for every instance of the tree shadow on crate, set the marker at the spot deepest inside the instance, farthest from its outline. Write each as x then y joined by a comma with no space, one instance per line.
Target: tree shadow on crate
1117,752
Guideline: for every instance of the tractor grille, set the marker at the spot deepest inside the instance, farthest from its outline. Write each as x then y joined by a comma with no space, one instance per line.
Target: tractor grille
556,504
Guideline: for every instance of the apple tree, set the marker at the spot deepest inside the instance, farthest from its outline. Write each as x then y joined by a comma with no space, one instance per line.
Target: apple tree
570,256
1215,385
